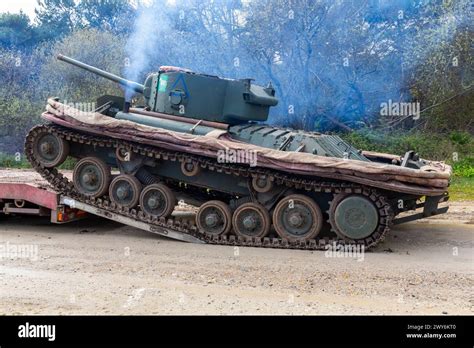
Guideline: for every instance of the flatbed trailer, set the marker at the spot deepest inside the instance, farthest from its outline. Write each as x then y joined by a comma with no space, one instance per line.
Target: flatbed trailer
24,192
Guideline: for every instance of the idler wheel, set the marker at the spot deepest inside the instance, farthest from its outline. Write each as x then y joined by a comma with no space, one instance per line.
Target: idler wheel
262,184
49,149
353,216
157,200
214,218
297,218
125,190
251,220
91,177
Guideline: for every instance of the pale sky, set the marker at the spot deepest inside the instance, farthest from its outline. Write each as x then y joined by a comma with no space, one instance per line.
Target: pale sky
28,6
14,6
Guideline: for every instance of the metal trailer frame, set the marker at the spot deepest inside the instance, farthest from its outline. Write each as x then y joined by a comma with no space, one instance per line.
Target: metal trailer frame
30,199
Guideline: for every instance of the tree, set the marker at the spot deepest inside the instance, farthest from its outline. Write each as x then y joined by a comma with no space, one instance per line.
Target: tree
19,97
331,62
16,31
91,46
55,18
114,15
442,78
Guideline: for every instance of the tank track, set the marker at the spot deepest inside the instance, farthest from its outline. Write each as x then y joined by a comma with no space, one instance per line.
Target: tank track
64,186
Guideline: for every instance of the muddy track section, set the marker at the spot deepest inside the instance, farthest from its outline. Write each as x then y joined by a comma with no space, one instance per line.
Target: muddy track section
63,185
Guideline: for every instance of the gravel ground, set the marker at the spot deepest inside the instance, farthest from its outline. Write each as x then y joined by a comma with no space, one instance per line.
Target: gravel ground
100,267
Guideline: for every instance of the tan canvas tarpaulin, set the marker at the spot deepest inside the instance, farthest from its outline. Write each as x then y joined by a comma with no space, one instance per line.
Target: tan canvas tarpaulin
430,180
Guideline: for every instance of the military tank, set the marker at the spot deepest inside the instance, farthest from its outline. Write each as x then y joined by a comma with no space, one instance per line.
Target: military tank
202,140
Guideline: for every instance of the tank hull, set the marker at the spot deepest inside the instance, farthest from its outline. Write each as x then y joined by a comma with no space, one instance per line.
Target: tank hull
235,200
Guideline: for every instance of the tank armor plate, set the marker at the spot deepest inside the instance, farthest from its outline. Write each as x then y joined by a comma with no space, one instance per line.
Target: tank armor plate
294,140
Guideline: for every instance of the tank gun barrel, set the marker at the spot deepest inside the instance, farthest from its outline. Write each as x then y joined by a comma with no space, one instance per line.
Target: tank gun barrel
120,80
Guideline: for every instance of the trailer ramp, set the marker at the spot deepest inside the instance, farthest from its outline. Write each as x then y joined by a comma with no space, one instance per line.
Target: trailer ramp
71,202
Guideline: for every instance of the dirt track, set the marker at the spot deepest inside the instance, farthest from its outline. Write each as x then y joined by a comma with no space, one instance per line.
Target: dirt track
100,267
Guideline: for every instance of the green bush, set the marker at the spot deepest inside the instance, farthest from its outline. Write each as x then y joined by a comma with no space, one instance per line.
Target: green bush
455,149
11,161
461,189
464,167
68,164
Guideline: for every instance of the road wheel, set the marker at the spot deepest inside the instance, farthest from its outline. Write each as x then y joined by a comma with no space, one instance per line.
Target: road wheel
214,218
49,149
125,190
251,220
91,177
157,200
297,218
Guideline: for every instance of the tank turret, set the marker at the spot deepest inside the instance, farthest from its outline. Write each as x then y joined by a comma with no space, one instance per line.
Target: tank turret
183,93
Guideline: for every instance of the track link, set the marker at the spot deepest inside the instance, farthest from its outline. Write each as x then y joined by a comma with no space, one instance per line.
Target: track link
61,184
